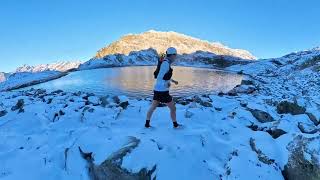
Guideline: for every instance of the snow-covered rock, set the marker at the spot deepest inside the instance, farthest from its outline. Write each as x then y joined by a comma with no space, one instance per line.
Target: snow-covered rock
94,100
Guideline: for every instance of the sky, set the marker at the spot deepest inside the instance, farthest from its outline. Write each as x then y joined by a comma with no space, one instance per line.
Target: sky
45,31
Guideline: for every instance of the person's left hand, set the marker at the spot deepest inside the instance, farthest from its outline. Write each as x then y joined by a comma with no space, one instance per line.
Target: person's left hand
169,84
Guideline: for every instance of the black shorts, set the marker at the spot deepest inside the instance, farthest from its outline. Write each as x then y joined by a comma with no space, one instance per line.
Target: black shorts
162,96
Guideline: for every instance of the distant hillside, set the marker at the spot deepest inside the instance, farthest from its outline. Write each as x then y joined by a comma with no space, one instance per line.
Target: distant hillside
160,41
58,66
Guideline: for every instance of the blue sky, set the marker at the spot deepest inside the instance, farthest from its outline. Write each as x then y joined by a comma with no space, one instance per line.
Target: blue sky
44,31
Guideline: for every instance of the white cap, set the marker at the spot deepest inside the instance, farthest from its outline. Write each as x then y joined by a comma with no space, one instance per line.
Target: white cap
171,50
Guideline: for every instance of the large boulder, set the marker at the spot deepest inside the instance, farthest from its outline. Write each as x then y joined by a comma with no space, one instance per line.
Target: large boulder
286,107
303,162
261,116
275,133
112,168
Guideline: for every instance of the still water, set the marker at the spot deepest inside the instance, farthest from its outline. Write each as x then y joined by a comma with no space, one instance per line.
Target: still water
137,82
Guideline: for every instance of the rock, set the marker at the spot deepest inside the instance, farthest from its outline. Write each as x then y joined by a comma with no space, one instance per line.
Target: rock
40,91
56,115
112,168
240,72
197,99
253,127
94,100
261,116
261,156
286,107
220,94
245,89
218,108
243,103
188,114
206,104
57,91
232,92
313,118
182,101
202,101
303,162
49,100
307,128
122,101
276,133
77,93
124,105
205,96
104,101
61,113
116,99
19,106
3,113
85,109
247,82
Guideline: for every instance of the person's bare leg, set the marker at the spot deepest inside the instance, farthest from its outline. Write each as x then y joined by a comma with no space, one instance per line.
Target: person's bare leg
153,107
171,105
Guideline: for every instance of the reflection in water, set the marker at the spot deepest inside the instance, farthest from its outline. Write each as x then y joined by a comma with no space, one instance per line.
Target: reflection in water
139,81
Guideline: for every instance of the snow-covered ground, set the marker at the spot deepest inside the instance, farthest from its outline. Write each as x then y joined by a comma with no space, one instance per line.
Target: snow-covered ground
266,128
212,144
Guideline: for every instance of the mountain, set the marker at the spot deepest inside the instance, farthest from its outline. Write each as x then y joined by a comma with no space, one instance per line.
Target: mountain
160,41
62,66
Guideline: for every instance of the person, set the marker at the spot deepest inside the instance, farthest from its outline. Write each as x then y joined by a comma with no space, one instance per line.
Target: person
163,75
